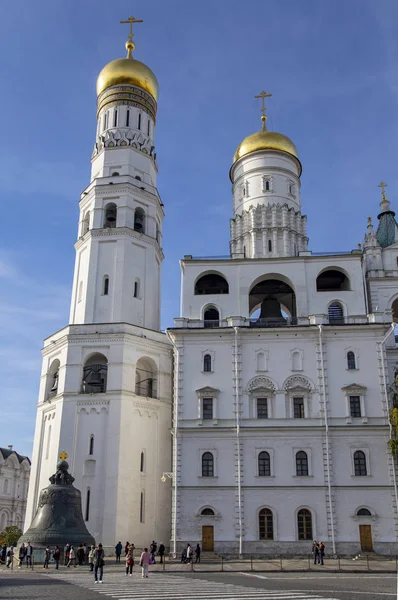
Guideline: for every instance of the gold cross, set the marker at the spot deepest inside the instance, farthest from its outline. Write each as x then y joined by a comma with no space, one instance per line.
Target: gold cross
383,185
263,95
63,455
131,20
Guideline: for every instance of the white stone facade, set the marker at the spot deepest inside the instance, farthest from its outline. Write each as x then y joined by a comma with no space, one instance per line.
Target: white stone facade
14,480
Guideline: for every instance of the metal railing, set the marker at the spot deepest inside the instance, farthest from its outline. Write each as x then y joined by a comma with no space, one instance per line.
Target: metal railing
274,322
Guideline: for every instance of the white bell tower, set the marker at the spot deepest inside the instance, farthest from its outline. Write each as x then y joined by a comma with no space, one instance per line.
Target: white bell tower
105,391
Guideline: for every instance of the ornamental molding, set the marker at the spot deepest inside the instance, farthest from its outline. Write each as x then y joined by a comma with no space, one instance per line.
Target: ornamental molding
298,382
264,383
354,387
207,391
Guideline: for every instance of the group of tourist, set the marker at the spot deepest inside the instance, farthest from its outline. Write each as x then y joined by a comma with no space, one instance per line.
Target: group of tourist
188,553
146,558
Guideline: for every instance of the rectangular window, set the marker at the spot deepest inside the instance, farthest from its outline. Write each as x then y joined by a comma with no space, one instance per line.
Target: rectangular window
355,406
127,118
142,508
115,118
149,127
298,408
207,408
139,120
87,515
262,408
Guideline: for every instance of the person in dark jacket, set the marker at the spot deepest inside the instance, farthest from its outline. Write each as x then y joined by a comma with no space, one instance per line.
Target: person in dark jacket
197,553
153,549
118,551
56,556
321,552
161,552
315,552
22,554
99,562
47,556
80,555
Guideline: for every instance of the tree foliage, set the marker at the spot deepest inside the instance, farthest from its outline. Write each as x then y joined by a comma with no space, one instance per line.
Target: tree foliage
10,535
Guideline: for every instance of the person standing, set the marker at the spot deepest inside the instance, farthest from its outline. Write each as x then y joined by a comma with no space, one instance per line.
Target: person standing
29,555
72,557
197,552
56,556
126,548
10,556
66,554
144,562
153,548
80,555
321,552
118,551
3,554
130,560
22,554
91,553
189,553
315,551
47,556
161,552
99,562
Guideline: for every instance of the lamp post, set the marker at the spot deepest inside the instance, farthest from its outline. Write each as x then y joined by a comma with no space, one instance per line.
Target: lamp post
168,475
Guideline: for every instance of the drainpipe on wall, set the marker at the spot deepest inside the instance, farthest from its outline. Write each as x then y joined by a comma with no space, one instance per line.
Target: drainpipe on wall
175,431
327,439
381,344
236,370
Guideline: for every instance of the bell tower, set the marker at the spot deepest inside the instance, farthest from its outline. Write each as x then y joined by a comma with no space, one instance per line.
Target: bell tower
119,245
105,389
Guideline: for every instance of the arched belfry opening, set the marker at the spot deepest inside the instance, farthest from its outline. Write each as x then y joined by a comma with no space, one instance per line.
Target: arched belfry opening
394,308
272,303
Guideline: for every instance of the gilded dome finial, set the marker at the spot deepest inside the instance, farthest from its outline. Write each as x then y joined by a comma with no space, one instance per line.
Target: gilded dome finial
130,46
383,185
263,95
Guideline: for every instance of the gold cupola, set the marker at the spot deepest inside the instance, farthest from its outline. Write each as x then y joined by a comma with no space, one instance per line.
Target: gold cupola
127,72
266,140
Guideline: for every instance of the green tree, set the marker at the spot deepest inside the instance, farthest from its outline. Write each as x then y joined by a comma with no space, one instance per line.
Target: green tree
10,535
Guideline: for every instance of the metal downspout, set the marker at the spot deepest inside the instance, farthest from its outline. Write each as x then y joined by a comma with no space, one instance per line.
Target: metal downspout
327,439
175,432
238,440
394,475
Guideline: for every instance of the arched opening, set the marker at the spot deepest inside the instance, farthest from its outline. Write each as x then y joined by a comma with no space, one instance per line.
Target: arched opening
207,464
142,462
264,464
266,524
276,302
5,488
301,463
304,524
115,174
87,512
105,286
394,308
91,445
207,363
211,317
95,372
52,379
261,363
136,292
48,442
86,223
3,521
332,281
351,360
145,378
209,512
364,512
110,215
335,314
139,220
211,283
360,464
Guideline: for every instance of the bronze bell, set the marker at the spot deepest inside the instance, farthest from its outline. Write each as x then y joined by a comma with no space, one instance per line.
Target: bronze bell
58,519
271,310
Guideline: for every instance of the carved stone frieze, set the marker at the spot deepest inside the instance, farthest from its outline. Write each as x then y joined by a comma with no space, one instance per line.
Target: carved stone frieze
297,381
264,383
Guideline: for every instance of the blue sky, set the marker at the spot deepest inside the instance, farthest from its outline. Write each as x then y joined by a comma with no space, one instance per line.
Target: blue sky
332,70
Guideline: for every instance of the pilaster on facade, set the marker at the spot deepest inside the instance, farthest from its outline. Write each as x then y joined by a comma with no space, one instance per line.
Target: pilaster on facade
177,463
238,452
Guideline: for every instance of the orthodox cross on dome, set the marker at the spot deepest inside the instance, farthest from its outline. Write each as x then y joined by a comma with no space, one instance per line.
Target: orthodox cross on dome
263,95
383,185
130,46
63,455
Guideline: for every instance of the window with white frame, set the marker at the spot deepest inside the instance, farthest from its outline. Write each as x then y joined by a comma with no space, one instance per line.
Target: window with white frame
261,389
261,359
355,402
351,360
360,469
207,404
264,464
208,361
207,464
298,393
302,464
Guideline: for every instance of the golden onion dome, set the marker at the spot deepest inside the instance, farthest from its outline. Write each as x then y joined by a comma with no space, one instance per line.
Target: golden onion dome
265,140
128,71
